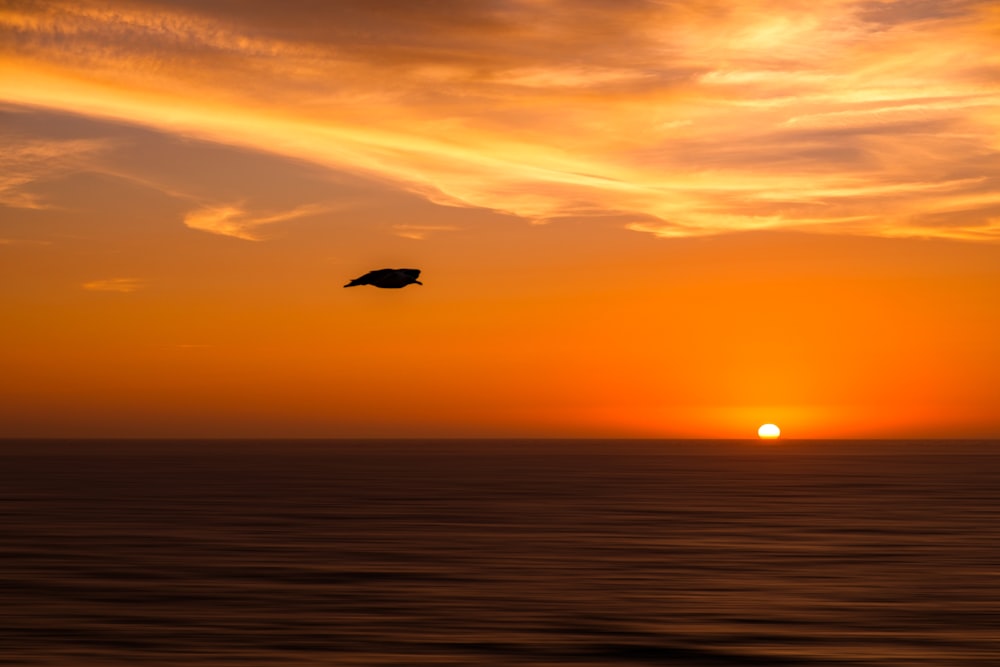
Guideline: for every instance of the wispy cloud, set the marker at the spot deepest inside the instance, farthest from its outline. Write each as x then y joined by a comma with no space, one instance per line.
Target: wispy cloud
694,118
124,285
25,161
21,242
236,221
420,232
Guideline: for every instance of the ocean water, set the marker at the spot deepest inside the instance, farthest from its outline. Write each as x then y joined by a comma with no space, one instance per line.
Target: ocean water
589,553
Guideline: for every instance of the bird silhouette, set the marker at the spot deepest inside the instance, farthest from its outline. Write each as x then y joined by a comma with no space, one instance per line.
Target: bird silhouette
387,278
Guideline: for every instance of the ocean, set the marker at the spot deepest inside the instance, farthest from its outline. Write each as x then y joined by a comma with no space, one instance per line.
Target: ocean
570,553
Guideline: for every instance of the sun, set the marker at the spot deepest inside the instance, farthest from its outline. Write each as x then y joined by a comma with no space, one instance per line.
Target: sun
768,432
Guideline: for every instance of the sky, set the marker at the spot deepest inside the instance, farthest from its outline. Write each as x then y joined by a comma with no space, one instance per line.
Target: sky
634,218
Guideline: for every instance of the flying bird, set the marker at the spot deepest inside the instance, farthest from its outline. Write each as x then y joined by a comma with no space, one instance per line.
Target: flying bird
388,278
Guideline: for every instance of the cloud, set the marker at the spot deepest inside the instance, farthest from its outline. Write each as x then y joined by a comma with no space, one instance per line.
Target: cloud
22,242
123,285
235,221
696,118
420,232
25,162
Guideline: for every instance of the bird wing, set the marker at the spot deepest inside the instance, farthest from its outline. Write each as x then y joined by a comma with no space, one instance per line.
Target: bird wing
375,276
413,273
367,278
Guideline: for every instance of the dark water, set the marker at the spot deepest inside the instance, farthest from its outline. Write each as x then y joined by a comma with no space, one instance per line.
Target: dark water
493,553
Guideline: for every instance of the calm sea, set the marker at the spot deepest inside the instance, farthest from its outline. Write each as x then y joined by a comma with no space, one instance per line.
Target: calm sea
585,553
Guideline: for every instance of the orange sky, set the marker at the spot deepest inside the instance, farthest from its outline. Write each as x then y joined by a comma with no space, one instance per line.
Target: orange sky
634,218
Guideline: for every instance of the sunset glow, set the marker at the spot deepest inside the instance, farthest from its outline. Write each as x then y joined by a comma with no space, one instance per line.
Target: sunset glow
599,198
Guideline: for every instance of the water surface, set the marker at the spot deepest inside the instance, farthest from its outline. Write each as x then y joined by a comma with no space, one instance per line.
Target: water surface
590,553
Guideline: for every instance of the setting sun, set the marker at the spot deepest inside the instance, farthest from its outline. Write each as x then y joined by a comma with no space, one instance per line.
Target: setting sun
768,432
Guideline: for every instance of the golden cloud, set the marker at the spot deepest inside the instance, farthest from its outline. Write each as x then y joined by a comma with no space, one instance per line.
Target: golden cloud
123,285
692,118
24,162
420,232
235,221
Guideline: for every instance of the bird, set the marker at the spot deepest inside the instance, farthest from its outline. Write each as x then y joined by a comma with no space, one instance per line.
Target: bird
388,278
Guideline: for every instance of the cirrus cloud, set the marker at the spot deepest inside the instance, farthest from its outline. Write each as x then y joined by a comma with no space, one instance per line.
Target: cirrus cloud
25,161
236,221
122,285
692,118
